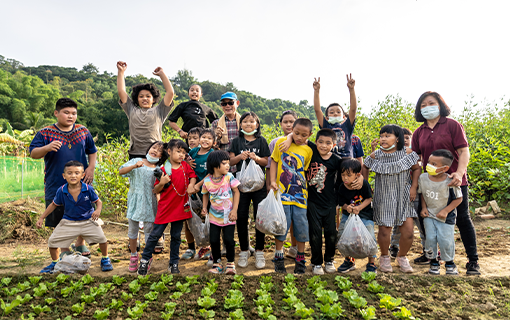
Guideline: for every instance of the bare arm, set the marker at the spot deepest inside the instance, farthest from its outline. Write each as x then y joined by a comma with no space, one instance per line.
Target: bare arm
97,212
354,102
235,159
121,82
129,168
191,186
205,203
317,101
46,213
89,173
365,172
38,153
233,214
169,95
416,172
272,173
461,168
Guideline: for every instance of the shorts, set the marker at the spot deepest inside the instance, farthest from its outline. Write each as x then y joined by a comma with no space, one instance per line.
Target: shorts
296,216
67,231
53,219
134,226
368,223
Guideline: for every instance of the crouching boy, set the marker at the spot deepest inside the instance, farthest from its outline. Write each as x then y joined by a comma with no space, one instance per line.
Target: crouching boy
80,218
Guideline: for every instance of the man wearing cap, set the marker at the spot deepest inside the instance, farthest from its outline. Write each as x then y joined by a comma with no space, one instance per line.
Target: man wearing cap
227,126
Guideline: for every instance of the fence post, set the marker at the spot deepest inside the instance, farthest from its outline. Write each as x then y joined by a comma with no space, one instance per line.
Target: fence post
22,162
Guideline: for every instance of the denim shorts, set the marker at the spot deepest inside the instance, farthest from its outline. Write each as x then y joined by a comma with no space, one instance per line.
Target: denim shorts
296,216
368,223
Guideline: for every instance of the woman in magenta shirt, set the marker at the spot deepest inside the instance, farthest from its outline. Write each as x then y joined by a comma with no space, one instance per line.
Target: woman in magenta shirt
440,132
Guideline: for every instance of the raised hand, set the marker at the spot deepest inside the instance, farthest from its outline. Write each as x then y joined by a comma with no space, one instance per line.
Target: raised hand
316,84
121,66
219,132
350,81
374,144
158,72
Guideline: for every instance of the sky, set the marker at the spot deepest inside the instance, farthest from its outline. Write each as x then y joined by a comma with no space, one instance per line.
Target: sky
274,49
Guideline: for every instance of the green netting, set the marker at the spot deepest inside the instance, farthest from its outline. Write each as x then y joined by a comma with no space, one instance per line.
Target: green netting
16,169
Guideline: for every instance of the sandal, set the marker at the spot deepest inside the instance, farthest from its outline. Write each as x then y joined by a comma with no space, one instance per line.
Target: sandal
216,269
230,268
160,245
81,249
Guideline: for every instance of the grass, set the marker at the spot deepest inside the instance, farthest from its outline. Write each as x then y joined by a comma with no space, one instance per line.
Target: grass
33,178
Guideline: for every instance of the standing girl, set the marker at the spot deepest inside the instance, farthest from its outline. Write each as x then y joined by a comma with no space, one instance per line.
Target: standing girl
173,206
220,188
250,146
395,191
142,204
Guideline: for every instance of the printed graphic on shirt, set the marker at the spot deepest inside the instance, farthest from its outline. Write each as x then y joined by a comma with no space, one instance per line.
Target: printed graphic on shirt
358,200
197,110
340,140
293,178
317,175
254,150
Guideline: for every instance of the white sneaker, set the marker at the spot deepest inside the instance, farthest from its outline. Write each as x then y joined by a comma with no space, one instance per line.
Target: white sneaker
292,252
330,267
317,270
260,261
243,259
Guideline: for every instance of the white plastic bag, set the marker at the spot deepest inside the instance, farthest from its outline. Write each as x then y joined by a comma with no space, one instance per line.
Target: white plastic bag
251,177
199,229
270,215
196,205
73,263
356,241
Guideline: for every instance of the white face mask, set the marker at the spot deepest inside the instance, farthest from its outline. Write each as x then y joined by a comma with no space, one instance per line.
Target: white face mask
430,112
249,133
334,120
151,159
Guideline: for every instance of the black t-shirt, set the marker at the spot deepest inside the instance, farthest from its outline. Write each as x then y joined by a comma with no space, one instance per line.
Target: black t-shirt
356,197
258,146
321,176
193,114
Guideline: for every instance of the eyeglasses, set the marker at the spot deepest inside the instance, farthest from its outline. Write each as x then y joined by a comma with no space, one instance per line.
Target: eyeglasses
224,104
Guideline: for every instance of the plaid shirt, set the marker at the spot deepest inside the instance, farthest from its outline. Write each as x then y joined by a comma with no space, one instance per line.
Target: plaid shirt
232,132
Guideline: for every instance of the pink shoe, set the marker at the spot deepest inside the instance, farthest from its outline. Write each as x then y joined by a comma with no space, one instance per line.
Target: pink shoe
404,265
133,263
385,264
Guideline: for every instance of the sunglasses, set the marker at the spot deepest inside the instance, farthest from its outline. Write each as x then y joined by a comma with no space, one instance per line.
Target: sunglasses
224,104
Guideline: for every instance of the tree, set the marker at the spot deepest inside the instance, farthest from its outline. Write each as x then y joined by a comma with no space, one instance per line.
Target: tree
90,68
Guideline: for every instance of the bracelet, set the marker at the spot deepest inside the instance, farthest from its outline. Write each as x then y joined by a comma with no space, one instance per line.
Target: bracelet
179,131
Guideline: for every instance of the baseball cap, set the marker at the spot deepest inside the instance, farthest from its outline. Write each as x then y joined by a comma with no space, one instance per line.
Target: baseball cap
228,95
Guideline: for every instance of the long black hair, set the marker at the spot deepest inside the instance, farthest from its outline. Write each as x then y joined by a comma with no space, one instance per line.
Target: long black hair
244,116
395,130
444,110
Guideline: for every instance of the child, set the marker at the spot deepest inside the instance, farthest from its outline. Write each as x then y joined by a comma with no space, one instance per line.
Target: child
199,156
356,202
142,204
194,137
336,119
250,146
80,218
193,113
218,188
288,176
58,144
321,210
439,202
286,122
395,189
145,119
173,207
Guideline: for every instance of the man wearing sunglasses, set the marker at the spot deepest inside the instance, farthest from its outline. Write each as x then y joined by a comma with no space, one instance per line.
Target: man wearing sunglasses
227,126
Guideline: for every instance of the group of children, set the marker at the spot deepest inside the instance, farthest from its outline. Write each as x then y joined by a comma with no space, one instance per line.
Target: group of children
312,179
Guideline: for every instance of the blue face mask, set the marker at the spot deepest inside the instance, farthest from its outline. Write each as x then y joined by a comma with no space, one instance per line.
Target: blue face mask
430,112
387,149
151,159
334,120
249,133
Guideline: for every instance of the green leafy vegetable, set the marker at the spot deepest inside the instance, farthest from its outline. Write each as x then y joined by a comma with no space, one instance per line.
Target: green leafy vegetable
86,279
78,308
7,307
102,314
38,309
66,291
343,283
358,302
266,286
88,298
332,311
234,299
159,287
192,279
118,280
236,315
126,296
167,278
184,288
116,304
368,276
207,314
6,281
170,306
388,302
51,285
137,311
264,314
143,279
326,296
264,300
290,278
404,314
291,301
47,300
11,292
41,290
176,295
368,313
153,295
290,290
302,311
28,297
23,286
206,302
34,280
61,278
134,286
375,287
266,279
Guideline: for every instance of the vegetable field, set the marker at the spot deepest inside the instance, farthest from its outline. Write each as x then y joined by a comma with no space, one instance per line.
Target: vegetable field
275,296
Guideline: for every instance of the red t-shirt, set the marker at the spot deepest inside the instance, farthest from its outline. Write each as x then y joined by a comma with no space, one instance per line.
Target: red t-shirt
447,134
172,207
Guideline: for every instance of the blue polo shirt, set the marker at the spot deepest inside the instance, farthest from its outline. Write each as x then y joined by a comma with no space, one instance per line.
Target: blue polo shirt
76,210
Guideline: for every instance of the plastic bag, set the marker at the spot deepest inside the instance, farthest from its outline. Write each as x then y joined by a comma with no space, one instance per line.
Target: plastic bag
270,216
196,204
199,229
251,177
356,241
73,263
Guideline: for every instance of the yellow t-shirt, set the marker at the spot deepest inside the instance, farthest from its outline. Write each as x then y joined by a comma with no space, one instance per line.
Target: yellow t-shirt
290,176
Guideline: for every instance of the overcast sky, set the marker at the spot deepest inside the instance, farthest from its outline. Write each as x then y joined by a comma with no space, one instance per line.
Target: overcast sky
275,48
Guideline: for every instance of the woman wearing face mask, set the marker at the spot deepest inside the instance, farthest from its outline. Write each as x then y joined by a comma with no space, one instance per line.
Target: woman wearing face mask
440,132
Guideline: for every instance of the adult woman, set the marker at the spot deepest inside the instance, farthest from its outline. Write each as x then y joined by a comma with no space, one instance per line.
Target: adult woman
440,132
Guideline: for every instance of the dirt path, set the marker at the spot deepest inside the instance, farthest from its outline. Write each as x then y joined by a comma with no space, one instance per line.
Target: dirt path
28,257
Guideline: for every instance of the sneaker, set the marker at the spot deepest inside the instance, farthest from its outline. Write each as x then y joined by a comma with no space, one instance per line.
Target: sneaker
144,267
202,253
243,259
292,252
173,268
49,268
451,270
330,267
422,260
106,264
403,262
230,268
317,270
260,261
473,268
216,269
435,268
279,265
300,267
133,263
210,261
347,266
393,252
385,264
371,268
188,254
